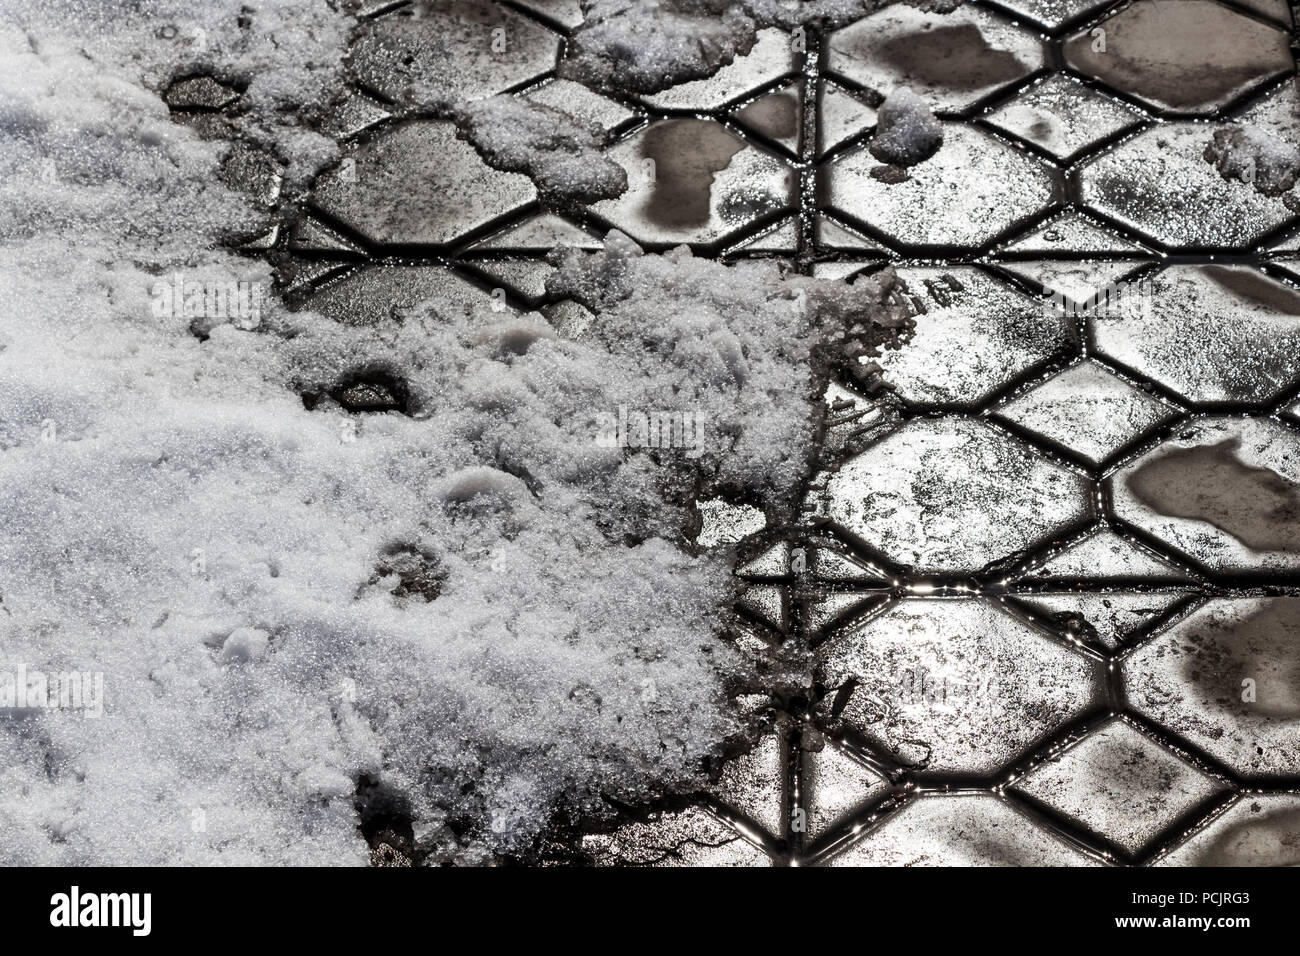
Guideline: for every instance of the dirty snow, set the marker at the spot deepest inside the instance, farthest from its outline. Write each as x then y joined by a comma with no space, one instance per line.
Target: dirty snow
1255,156
906,131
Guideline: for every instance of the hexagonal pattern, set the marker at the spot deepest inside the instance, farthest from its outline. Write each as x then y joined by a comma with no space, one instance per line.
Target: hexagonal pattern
1089,410
952,60
972,190
1255,831
1224,491
771,58
1063,116
1053,13
952,495
693,180
974,335
418,184
1191,56
440,52
1213,333
1159,183
955,685
1121,784
1228,680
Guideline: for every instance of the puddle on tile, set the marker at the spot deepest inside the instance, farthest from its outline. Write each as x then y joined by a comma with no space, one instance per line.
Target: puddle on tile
688,155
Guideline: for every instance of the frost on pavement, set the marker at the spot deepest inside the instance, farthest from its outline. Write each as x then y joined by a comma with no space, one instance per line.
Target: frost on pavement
1255,156
557,151
906,130
314,560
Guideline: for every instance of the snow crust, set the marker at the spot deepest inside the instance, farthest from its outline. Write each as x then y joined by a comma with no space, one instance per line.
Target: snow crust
1255,156
906,131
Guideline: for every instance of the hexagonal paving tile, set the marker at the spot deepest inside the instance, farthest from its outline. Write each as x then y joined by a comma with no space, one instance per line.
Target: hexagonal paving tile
418,184
440,52
955,685
973,189
952,495
1160,183
1212,333
771,58
1190,56
692,180
1255,831
1053,13
952,60
960,830
1100,618
975,335
1063,116
1225,491
1228,680
1121,785
1088,409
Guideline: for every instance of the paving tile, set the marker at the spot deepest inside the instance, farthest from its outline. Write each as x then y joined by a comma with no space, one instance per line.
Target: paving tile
771,58
1211,333
418,184
951,60
375,295
566,13
440,52
1224,491
841,115
1160,184
1076,286
754,783
1104,618
835,785
1053,13
1257,830
1104,555
1089,410
1228,680
1075,233
777,115
581,103
1121,785
975,335
972,190
952,495
703,182
688,838
1189,56
961,830
1064,116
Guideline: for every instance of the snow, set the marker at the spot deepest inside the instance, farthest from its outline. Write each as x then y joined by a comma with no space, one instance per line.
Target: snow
906,131
557,151
458,593
1255,156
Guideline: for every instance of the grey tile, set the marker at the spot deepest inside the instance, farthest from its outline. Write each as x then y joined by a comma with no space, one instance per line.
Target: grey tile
771,58
1257,830
1063,116
955,685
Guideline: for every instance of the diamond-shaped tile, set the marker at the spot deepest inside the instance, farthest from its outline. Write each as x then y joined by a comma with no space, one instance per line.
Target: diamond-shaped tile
1104,555
754,783
1063,116
835,784
581,103
375,295
1257,830
1121,785
1159,183
955,685
771,58
1075,286
974,336
960,830
1088,409
974,188
440,52
1213,333
1075,233
1101,617
952,495
418,184
693,180
952,60
840,116
1224,491
1227,679
1188,56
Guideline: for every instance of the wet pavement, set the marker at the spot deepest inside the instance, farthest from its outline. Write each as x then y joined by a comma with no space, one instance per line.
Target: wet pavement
1049,579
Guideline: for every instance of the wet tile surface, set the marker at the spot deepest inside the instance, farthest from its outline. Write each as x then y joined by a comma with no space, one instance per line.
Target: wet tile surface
1046,493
